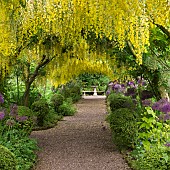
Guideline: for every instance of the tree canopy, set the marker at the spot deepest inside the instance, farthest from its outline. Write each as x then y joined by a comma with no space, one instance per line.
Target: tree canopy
59,30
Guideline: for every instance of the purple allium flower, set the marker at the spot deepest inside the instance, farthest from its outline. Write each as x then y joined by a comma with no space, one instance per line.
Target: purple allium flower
155,106
21,118
123,88
166,108
107,92
131,92
146,102
141,81
163,101
131,84
117,88
2,115
167,144
166,117
144,83
162,105
10,122
1,98
123,85
146,94
13,110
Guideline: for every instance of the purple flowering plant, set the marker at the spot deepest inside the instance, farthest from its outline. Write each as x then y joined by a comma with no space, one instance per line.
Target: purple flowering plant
2,115
1,99
147,102
141,82
130,88
12,121
151,130
162,108
131,84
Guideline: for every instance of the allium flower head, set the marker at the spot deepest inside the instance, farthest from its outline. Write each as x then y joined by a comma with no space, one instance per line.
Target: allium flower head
13,110
131,84
166,117
123,85
117,87
144,83
162,105
146,94
167,144
141,82
155,106
146,102
10,122
163,101
1,98
2,115
21,118
131,92
107,92
166,108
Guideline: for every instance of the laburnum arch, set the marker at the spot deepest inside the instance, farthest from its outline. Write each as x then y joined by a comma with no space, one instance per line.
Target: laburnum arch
43,28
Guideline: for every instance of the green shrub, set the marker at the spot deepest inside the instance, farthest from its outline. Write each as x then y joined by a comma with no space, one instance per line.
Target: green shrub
51,119
57,100
25,111
41,108
23,148
116,101
153,159
67,109
7,159
72,91
27,125
124,127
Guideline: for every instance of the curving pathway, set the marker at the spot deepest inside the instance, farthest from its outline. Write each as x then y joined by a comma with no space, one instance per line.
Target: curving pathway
80,142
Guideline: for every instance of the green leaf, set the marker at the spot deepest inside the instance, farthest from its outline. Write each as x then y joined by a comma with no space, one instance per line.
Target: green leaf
146,144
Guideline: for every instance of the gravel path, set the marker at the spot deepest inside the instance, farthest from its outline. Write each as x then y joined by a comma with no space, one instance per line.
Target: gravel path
80,142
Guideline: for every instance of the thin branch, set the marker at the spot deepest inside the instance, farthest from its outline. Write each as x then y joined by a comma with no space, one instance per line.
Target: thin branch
42,64
164,30
160,60
131,48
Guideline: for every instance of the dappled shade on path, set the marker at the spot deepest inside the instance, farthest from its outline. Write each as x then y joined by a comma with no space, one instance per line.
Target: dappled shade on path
80,142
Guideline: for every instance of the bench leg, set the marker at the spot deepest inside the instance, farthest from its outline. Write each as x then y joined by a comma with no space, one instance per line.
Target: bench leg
95,92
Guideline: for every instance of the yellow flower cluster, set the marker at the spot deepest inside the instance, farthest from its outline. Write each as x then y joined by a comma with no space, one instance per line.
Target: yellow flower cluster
70,21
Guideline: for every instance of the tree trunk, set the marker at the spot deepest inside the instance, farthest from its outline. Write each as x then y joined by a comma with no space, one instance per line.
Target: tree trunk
26,94
155,83
31,78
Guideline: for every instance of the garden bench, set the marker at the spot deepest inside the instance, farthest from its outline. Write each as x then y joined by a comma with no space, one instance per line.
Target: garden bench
94,92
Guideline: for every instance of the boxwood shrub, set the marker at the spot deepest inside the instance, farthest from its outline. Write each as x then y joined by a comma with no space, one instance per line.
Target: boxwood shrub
7,159
124,127
57,100
116,101
41,108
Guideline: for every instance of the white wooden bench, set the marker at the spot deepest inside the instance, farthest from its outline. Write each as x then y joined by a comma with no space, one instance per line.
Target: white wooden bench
93,93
